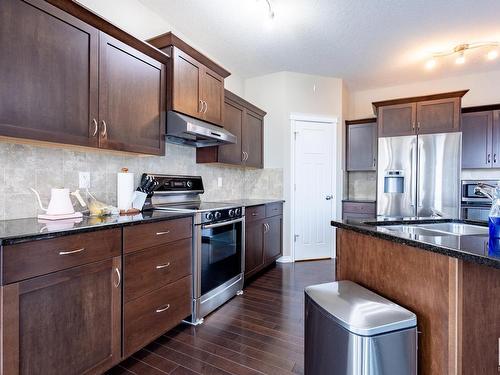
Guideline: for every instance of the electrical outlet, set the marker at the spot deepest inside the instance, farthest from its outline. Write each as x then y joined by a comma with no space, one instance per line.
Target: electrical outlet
219,181
83,180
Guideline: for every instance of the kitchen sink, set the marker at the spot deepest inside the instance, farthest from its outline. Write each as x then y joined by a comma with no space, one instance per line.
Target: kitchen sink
439,229
458,229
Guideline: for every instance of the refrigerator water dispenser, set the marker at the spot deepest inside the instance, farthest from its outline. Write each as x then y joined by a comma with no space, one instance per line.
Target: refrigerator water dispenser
394,182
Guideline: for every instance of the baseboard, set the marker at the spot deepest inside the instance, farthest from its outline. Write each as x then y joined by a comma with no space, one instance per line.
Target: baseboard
284,259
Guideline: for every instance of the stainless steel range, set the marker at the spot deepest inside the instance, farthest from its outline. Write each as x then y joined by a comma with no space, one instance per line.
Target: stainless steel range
218,240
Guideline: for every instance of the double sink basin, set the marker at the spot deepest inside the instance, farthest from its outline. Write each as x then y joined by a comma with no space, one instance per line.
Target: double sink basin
438,229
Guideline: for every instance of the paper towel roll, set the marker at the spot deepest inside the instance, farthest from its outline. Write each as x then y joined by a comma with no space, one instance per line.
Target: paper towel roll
124,189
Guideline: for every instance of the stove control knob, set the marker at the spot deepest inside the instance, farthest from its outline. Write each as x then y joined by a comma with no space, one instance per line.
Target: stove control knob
189,184
231,213
209,215
238,211
218,215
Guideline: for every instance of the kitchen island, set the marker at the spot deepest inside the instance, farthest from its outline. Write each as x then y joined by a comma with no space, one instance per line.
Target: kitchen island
450,280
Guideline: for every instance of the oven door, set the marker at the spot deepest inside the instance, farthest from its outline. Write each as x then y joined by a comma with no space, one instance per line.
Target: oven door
477,213
222,253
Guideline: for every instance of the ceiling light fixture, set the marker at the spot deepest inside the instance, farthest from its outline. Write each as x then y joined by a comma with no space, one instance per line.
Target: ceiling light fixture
460,49
460,59
492,55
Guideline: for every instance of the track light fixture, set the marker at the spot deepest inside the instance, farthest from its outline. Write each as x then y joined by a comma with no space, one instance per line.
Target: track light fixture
460,49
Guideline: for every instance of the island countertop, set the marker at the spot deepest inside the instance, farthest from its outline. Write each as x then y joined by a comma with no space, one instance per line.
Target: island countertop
473,248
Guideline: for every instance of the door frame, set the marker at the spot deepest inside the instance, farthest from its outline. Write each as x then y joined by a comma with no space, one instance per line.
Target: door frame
333,121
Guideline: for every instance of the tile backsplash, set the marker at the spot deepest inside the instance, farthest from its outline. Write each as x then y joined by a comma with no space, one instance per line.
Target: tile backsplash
24,165
362,185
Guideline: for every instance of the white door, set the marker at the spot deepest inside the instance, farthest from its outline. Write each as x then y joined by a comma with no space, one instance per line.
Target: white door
314,190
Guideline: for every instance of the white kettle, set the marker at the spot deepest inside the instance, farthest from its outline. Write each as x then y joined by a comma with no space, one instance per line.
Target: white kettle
60,202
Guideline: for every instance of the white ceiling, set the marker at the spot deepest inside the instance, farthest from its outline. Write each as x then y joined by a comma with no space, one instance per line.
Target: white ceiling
368,43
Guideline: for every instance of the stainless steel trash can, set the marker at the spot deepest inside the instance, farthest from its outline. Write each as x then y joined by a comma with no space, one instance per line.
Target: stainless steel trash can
349,330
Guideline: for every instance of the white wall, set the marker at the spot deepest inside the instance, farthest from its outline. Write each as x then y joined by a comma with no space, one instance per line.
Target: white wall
281,94
484,89
140,21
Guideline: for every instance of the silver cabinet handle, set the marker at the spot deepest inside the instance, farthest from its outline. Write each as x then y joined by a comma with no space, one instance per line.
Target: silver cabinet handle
489,159
245,156
105,128
494,158
162,309
206,107
413,126
161,266
118,282
162,233
329,197
200,110
266,227
374,162
96,127
418,125
71,252
242,155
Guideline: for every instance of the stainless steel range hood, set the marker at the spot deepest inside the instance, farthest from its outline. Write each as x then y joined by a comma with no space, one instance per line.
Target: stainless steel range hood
185,130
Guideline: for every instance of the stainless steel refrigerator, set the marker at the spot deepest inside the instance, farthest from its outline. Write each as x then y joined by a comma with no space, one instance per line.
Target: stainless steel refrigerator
419,175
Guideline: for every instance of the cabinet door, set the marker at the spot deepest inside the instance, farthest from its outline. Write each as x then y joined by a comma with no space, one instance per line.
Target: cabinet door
273,238
477,128
254,246
67,322
438,116
361,147
233,122
131,99
397,120
496,140
212,86
186,90
253,139
48,74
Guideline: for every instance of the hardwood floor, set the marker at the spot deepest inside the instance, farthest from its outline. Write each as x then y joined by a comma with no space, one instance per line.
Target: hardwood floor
260,332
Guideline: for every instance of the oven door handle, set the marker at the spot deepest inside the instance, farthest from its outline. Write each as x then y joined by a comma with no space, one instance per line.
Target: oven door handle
216,225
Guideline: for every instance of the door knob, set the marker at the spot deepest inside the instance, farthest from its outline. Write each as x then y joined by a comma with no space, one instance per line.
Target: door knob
329,197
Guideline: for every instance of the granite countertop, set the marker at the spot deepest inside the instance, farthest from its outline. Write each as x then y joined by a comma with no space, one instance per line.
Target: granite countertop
23,230
474,248
253,202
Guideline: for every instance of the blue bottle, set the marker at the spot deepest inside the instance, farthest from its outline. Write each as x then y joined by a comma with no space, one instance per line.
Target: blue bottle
494,224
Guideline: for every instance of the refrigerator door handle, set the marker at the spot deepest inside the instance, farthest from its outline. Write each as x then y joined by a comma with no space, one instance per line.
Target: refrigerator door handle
413,178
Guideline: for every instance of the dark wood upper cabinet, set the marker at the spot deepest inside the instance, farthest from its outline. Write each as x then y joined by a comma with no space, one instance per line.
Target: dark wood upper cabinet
67,322
481,137
233,122
361,145
186,90
439,113
48,74
132,104
438,116
477,130
246,122
496,139
196,83
213,96
397,120
253,139
62,79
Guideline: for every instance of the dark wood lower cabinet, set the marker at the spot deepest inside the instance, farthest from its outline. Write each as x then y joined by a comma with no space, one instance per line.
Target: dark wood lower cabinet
263,237
273,238
254,246
153,314
67,322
